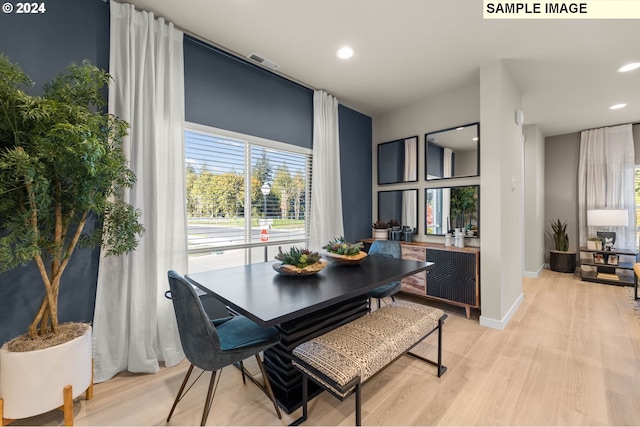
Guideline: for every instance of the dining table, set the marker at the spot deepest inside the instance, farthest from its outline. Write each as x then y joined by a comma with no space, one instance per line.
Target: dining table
301,307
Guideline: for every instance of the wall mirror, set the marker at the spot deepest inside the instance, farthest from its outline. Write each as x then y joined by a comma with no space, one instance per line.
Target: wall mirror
453,153
401,205
398,161
448,208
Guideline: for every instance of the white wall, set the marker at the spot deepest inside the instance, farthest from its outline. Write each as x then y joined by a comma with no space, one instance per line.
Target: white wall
493,103
443,112
501,188
562,155
466,162
534,201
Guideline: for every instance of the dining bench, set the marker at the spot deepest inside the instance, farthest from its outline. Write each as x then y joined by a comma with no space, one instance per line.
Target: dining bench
340,360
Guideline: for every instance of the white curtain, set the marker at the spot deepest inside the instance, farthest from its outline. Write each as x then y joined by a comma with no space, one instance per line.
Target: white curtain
409,202
606,179
326,193
134,324
447,157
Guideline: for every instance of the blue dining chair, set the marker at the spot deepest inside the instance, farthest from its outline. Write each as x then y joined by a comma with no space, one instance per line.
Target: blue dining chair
213,344
388,248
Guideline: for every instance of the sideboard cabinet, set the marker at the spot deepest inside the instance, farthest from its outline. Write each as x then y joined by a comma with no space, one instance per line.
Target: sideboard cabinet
611,267
454,279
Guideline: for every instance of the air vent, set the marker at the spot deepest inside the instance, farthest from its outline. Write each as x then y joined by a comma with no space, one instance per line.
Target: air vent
263,61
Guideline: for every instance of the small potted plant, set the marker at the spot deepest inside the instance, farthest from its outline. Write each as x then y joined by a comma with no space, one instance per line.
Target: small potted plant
381,230
594,244
342,252
561,259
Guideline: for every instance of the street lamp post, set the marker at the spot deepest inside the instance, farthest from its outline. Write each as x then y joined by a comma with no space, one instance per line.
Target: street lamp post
265,189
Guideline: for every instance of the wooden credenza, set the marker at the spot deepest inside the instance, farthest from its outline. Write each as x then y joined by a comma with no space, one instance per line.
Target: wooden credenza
454,279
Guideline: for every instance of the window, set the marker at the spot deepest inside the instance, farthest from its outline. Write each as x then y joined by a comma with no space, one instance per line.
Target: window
245,197
637,187
434,211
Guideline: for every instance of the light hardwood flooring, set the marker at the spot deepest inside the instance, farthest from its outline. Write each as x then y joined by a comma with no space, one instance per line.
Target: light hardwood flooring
569,356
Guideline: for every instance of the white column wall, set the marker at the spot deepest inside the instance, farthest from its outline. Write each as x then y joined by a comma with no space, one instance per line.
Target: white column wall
502,189
534,206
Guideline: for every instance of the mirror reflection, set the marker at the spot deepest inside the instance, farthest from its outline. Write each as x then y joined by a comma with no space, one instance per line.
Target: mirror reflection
398,161
399,205
448,208
453,153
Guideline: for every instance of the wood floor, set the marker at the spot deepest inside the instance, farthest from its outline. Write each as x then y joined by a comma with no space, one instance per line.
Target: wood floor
569,356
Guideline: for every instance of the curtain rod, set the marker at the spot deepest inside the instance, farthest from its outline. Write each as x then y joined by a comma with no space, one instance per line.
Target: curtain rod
237,57
609,126
229,53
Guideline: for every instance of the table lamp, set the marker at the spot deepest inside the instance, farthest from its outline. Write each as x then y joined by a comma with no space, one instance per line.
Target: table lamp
607,218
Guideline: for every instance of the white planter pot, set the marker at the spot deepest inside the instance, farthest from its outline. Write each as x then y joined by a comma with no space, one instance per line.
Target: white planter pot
32,382
594,245
381,234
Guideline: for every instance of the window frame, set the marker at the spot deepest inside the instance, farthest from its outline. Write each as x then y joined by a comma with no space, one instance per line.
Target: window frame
250,141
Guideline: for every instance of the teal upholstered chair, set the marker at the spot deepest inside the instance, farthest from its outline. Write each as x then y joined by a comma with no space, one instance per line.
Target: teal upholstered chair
213,344
389,248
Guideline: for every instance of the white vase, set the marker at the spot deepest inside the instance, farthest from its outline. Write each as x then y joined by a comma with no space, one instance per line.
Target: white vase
32,382
381,234
594,245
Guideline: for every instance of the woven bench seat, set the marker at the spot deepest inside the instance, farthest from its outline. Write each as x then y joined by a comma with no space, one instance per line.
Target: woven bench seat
342,359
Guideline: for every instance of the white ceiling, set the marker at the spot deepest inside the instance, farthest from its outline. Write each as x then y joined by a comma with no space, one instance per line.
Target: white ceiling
411,50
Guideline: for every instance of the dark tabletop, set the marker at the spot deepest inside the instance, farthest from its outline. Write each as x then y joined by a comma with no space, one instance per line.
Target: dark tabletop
269,298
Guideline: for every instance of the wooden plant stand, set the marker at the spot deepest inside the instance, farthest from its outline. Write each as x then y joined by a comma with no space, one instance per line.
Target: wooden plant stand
66,408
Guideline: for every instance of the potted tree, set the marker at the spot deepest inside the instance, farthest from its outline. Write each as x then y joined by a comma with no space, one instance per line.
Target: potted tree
60,163
561,259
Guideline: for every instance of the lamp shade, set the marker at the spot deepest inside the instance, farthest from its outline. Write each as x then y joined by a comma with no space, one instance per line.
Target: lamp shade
608,218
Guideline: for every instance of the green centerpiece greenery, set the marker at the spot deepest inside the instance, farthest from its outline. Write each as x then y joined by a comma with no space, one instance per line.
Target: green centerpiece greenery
341,247
61,161
298,262
342,252
297,257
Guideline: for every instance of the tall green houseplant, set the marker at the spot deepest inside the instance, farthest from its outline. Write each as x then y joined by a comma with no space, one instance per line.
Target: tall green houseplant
561,259
560,235
61,160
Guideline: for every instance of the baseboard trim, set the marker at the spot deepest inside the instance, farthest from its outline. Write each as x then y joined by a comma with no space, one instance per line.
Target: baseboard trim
534,274
501,324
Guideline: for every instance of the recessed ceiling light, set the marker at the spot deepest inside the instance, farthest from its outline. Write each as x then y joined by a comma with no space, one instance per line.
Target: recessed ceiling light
345,52
629,67
617,106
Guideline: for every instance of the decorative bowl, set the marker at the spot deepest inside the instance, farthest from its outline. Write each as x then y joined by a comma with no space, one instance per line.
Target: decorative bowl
292,270
345,259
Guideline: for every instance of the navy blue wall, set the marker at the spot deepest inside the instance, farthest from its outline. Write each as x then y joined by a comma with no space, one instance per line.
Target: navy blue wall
44,45
229,93
226,92
434,160
220,91
355,172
